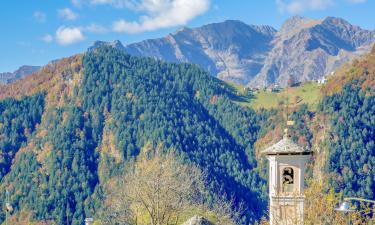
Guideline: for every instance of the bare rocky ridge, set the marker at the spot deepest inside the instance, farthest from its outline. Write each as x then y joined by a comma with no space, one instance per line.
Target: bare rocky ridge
259,56
8,77
231,50
114,44
306,49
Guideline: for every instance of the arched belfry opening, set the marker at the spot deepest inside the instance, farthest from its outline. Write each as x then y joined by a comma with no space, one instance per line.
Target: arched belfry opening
288,180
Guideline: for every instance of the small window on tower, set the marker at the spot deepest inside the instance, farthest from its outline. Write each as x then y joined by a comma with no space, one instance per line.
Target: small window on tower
288,179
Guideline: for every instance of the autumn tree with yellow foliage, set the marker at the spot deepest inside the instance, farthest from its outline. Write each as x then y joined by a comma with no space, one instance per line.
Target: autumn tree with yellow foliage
159,189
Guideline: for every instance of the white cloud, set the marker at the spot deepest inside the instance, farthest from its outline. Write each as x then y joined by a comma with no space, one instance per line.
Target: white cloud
47,38
95,28
69,35
67,14
40,16
153,14
158,13
299,6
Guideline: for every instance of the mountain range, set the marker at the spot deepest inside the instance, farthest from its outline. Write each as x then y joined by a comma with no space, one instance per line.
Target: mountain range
260,56
9,77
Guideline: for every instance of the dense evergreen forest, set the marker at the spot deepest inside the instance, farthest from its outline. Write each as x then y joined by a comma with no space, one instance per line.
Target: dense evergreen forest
59,148
18,119
351,158
122,104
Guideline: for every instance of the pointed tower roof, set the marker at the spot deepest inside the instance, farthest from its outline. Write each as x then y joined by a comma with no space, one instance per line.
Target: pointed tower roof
285,147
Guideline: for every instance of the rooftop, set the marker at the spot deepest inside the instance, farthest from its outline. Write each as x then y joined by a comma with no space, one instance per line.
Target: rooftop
285,147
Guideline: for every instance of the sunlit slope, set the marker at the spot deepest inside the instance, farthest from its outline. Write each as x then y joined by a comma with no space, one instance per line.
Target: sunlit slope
308,93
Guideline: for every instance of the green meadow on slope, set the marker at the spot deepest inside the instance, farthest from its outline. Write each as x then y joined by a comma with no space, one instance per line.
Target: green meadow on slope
308,93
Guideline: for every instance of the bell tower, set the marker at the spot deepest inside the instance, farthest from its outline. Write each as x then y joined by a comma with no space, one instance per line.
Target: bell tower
286,181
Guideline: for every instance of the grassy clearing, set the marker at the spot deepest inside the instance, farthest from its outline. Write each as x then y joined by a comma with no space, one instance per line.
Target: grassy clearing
308,93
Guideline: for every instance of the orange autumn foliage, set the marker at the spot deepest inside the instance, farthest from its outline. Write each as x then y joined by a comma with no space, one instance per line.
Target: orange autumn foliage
362,69
42,80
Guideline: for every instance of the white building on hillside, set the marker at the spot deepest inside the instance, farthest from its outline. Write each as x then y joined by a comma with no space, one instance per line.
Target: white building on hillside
322,80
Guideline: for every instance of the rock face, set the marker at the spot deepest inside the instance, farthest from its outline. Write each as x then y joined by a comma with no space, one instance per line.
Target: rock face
306,49
114,44
231,50
197,220
259,56
8,77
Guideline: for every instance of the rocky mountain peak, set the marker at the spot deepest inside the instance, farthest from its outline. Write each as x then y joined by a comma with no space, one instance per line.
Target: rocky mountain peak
259,55
295,25
336,21
114,44
231,50
235,27
9,77
181,30
307,49
353,35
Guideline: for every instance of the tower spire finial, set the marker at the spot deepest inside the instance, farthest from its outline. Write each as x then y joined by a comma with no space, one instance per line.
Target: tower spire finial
286,132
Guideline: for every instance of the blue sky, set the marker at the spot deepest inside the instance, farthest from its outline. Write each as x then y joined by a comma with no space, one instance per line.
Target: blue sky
35,32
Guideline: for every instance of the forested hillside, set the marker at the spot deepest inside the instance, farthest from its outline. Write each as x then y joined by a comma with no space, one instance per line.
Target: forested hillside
350,142
17,122
96,121
78,124
350,107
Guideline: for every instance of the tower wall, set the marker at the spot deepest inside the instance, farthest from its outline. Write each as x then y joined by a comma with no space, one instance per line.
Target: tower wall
286,186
